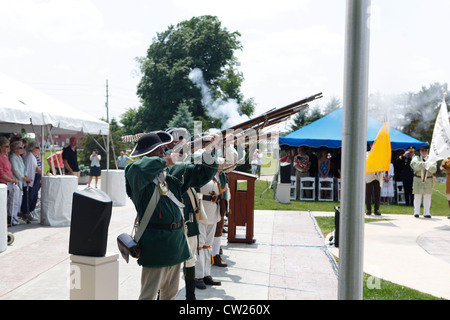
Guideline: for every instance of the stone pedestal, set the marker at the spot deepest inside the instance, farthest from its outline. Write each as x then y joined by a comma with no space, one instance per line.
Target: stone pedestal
94,278
113,184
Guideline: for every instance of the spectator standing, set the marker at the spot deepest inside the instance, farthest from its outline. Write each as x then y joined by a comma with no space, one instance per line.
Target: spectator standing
70,158
32,170
122,160
36,184
373,186
324,167
19,173
257,162
407,175
6,177
387,188
423,182
95,167
301,165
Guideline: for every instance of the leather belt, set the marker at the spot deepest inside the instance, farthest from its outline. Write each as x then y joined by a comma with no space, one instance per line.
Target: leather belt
213,198
163,226
421,177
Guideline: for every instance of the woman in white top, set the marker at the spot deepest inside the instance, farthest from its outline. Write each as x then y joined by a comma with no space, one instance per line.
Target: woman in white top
387,187
95,167
31,168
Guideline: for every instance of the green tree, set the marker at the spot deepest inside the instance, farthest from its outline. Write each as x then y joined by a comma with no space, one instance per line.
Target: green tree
116,145
413,113
305,117
183,118
334,104
200,42
132,123
423,107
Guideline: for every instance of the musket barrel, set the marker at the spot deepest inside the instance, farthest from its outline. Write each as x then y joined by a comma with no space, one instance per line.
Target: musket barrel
269,118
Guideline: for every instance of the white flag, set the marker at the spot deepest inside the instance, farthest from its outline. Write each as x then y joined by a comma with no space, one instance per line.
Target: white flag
440,143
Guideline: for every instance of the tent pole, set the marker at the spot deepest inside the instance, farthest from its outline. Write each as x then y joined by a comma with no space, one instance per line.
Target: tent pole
43,160
354,145
107,139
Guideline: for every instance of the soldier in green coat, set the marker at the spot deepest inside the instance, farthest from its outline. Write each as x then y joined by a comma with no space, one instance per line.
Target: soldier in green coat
164,244
423,182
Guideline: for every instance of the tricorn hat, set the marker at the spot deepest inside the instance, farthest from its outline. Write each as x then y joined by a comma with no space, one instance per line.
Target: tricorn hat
149,142
411,148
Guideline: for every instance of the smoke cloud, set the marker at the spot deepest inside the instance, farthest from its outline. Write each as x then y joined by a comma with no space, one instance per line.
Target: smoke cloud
226,110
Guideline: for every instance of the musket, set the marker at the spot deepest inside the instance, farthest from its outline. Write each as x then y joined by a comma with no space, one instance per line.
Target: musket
269,118
299,105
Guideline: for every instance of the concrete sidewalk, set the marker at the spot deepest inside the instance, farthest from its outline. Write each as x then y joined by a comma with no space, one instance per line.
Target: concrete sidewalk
414,252
289,259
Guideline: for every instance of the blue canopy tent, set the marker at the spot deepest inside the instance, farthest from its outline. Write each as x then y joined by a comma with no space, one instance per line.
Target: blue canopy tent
327,132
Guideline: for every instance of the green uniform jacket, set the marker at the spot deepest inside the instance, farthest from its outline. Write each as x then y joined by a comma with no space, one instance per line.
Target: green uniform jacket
190,214
420,187
163,248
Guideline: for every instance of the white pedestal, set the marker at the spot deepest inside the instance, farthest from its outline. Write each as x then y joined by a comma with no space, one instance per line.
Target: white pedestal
94,278
283,192
3,214
113,184
56,199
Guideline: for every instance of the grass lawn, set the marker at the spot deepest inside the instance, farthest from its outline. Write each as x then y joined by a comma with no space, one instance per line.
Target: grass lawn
265,200
374,288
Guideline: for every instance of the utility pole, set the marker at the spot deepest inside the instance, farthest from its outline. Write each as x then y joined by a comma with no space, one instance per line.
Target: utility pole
107,139
106,103
354,145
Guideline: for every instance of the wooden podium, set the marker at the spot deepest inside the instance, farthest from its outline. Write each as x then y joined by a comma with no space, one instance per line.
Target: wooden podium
242,205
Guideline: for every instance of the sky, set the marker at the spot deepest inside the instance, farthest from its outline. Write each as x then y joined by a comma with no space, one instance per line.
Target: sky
292,49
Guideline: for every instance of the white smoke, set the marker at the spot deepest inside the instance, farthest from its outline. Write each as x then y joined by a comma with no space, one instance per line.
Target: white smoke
226,110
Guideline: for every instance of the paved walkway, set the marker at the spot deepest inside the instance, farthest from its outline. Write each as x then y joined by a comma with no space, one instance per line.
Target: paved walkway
289,259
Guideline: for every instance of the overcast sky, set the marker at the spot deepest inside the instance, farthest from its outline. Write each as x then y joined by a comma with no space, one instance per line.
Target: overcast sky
291,48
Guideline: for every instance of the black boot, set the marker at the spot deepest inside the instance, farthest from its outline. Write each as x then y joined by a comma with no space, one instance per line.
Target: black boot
189,279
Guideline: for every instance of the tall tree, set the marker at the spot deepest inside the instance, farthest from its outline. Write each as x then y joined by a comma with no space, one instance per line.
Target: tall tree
182,119
200,42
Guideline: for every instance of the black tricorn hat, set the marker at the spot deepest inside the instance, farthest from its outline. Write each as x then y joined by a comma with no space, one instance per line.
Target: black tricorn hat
149,142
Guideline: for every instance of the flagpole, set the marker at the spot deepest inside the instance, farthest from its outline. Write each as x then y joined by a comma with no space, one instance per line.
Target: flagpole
354,144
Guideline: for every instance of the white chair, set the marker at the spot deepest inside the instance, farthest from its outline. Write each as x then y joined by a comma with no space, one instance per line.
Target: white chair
293,194
307,184
326,187
400,192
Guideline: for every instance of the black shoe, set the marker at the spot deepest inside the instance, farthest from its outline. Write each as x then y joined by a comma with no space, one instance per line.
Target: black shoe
368,213
377,213
200,284
427,216
211,282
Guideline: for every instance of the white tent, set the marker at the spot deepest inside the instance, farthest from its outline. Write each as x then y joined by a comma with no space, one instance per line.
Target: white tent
22,106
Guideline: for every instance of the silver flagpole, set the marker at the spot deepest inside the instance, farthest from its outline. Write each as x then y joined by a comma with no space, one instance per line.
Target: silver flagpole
354,144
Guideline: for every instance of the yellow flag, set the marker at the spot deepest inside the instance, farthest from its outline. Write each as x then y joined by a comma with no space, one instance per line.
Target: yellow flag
379,158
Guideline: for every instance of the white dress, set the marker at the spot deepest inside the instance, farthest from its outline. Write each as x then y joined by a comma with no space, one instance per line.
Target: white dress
387,188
